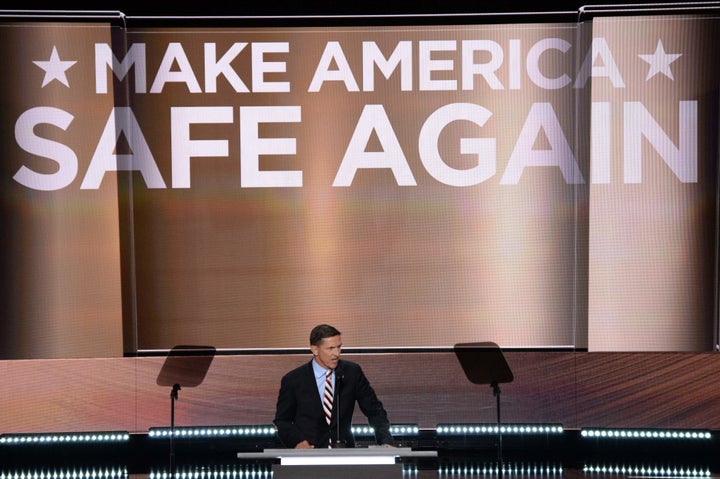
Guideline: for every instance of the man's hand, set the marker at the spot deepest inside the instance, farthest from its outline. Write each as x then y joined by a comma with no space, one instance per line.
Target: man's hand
304,445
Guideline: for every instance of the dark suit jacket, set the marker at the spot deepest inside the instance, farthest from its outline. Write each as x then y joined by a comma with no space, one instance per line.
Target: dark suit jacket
299,414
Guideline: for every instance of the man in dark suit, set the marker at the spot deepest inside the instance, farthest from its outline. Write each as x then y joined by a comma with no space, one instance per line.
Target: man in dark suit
299,416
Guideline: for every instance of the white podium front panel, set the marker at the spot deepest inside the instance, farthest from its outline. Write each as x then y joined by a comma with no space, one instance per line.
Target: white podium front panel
341,456
340,459
374,462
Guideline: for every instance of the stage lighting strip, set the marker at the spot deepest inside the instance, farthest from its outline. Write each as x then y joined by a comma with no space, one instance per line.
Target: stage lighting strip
65,438
645,434
491,468
67,473
209,432
264,431
654,471
395,430
250,471
484,429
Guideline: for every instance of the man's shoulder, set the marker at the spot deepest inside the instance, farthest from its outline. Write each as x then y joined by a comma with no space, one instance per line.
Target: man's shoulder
300,370
345,365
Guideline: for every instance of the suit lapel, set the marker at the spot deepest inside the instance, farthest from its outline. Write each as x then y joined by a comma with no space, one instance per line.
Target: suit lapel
315,394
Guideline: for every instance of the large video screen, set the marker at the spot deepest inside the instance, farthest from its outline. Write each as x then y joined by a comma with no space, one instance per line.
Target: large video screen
539,185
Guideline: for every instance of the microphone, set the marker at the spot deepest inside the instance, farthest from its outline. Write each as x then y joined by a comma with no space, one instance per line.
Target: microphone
339,378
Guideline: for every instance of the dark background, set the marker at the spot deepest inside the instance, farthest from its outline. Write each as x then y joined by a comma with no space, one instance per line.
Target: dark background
320,7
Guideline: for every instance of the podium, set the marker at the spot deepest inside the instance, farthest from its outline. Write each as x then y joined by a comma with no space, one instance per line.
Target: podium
376,462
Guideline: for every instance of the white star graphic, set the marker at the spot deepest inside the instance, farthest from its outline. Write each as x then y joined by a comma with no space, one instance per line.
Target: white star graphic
660,62
55,68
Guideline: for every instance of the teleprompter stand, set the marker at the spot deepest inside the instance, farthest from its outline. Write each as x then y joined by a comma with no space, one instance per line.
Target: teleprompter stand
484,363
185,366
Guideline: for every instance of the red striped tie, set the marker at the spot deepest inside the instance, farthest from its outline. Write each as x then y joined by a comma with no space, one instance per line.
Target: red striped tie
328,397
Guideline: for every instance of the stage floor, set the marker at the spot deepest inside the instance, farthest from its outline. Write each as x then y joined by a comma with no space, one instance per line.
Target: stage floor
435,474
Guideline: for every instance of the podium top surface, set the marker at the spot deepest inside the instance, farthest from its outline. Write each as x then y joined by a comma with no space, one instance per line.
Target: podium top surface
318,456
350,451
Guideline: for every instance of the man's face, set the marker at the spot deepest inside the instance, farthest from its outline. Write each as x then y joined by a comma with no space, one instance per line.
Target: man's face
327,353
